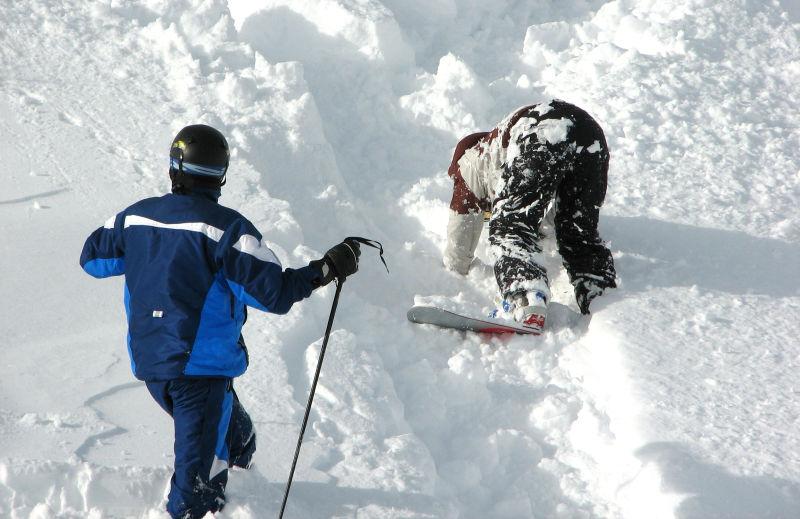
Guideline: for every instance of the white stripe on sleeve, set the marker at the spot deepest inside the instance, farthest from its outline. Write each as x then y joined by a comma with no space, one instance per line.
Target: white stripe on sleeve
217,467
110,222
250,245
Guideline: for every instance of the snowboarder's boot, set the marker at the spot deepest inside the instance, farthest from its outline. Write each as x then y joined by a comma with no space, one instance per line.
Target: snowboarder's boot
531,309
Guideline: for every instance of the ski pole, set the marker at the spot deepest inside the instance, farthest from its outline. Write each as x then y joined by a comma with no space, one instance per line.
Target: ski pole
339,283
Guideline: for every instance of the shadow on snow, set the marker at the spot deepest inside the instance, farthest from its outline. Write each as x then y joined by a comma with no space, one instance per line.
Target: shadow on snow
713,492
653,253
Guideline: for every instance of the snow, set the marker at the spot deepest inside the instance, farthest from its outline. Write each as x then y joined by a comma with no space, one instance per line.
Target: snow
678,398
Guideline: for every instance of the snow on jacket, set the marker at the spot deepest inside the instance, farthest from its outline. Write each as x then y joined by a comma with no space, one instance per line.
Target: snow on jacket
476,166
476,170
190,267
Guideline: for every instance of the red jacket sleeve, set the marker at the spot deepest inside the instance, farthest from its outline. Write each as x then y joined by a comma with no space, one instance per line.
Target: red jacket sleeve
464,200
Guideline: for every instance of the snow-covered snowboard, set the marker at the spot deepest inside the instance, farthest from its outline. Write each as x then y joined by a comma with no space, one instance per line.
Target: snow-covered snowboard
447,319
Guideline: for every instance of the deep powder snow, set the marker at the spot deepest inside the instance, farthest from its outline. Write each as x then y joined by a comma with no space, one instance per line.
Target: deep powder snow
678,398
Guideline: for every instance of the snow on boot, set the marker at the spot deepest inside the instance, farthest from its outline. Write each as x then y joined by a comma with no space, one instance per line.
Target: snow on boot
504,310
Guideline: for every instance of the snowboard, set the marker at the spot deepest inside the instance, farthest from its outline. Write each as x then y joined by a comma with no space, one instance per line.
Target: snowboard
447,319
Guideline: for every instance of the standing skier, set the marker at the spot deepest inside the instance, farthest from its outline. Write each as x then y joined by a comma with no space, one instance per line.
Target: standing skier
549,152
191,267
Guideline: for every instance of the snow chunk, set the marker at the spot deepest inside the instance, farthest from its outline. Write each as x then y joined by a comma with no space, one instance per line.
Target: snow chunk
595,147
553,131
448,99
638,30
371,28
543,108
544,43
330,192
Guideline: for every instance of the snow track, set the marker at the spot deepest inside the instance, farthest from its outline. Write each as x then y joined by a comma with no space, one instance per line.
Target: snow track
678,397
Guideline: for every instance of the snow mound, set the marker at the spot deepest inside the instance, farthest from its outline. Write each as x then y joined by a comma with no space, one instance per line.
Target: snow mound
676,399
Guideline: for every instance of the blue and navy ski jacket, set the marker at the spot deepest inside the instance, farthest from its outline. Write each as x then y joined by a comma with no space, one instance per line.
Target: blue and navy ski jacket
190,267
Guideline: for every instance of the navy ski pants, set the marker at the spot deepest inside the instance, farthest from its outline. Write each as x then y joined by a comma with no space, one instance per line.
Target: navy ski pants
212,433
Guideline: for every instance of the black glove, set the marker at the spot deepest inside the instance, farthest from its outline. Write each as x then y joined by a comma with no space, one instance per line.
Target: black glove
339,262
585,291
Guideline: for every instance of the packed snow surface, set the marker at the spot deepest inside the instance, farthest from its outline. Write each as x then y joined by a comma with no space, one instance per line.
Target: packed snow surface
678,398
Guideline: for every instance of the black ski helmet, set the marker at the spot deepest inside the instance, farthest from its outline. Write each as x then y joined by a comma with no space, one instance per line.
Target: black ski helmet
199,156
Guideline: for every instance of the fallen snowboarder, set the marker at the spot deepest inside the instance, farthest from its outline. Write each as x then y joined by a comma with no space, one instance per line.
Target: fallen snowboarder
191,266
549,152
